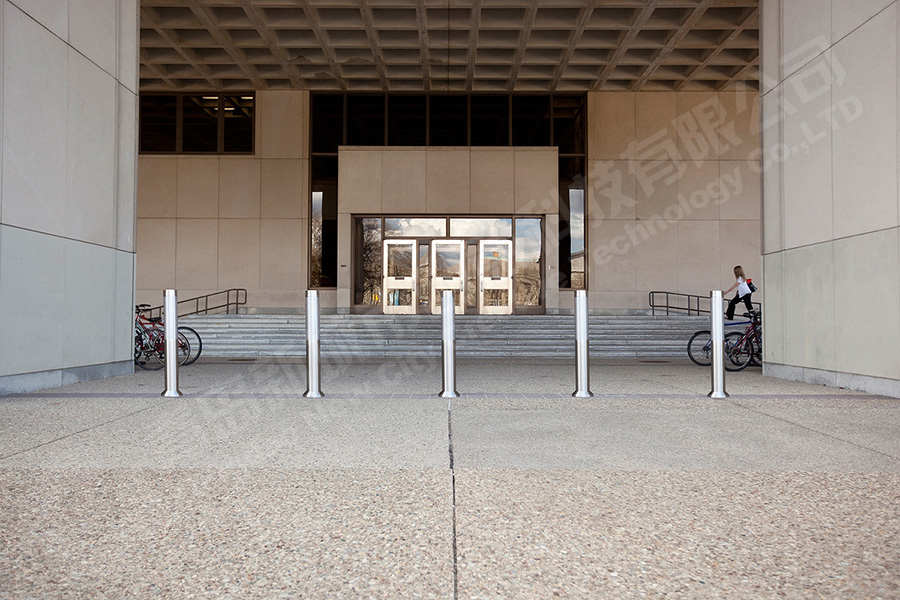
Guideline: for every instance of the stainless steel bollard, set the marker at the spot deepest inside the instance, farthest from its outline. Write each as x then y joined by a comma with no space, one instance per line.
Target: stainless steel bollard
717,329
313,370
170,313
582,351
448,345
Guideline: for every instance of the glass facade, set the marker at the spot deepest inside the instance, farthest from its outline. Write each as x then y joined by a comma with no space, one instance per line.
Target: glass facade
450,120
197,123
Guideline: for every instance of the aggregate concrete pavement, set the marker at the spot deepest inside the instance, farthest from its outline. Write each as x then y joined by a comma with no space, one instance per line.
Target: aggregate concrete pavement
244,489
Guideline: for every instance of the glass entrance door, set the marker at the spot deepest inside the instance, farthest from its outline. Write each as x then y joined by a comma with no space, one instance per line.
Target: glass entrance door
495,295
399,280
448,273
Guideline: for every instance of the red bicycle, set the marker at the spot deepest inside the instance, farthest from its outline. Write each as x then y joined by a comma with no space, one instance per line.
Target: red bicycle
150,342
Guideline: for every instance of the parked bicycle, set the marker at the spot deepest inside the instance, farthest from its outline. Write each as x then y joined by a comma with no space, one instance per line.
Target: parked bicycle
741,349
150,342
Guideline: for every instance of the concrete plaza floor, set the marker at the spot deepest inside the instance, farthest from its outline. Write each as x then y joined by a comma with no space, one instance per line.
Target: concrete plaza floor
244,489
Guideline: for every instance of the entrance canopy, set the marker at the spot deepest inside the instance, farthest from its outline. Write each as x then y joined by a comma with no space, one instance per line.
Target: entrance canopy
465,46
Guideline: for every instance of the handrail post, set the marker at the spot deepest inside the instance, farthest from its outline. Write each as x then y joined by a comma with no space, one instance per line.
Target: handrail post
313,370
170,303
448,345
582,348
717,328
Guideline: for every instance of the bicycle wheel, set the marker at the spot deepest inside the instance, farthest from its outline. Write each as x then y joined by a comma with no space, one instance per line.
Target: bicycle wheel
700,348
144,351
184,349
194,339
738,351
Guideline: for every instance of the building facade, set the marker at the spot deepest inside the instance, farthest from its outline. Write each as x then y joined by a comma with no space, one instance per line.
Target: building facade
627,151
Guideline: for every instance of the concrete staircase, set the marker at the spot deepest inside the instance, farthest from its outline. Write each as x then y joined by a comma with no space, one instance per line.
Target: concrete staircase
381,336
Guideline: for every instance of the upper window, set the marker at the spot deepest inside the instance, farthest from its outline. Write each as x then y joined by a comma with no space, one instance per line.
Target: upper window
197,123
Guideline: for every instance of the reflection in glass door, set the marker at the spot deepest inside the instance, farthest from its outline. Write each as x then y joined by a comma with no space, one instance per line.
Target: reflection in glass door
448,273
400,274
495,277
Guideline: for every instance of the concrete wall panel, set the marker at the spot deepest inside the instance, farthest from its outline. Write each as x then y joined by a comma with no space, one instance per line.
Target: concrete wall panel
156,254
360,181
91,180
32,300
238,254
126,169
157,183
740,195
283,254
867,334
88,332
698,257
773,311
865,136
847,15
808,215
772,174
239,188
91,27
770,45
196,259
493,180
280,124
809,307
699,190
403,181
34,114
537,181
806,32
613,266
128,45
657,256
284,190
447,181
52,14
611,190
613,126
197,185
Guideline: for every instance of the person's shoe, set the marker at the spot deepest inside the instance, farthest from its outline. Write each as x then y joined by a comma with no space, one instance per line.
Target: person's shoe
727,318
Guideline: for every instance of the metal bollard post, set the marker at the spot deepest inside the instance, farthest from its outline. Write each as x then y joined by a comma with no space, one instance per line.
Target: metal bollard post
313,370
170,308
582,357
717,329
448,345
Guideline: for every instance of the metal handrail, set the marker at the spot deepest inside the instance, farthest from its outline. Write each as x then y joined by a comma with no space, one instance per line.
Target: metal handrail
692,304
240,299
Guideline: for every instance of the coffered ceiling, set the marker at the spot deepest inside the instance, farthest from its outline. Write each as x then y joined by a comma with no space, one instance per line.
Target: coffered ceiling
449,45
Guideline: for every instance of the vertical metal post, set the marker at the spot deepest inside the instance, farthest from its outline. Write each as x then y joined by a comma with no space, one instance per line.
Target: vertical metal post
582,358
170,307
448,345
313,370
717,329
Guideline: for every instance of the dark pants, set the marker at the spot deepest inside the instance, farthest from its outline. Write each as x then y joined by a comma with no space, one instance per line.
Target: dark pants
729,314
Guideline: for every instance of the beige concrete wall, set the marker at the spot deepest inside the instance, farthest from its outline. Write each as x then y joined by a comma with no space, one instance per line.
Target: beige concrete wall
673,198
464,180
209,223
68,98
831,203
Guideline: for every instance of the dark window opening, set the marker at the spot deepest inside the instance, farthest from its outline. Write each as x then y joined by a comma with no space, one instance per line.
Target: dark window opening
531,120
365,120
323,223
490,120
159,118
328,122
406,121
448,125
197,123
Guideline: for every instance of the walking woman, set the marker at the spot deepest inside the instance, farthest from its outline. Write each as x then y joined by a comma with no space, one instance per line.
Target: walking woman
743,292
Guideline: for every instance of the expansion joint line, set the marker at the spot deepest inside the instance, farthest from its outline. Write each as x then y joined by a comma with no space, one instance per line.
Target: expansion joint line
453,504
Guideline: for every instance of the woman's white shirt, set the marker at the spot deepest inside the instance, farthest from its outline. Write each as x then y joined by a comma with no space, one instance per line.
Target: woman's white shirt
743,289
